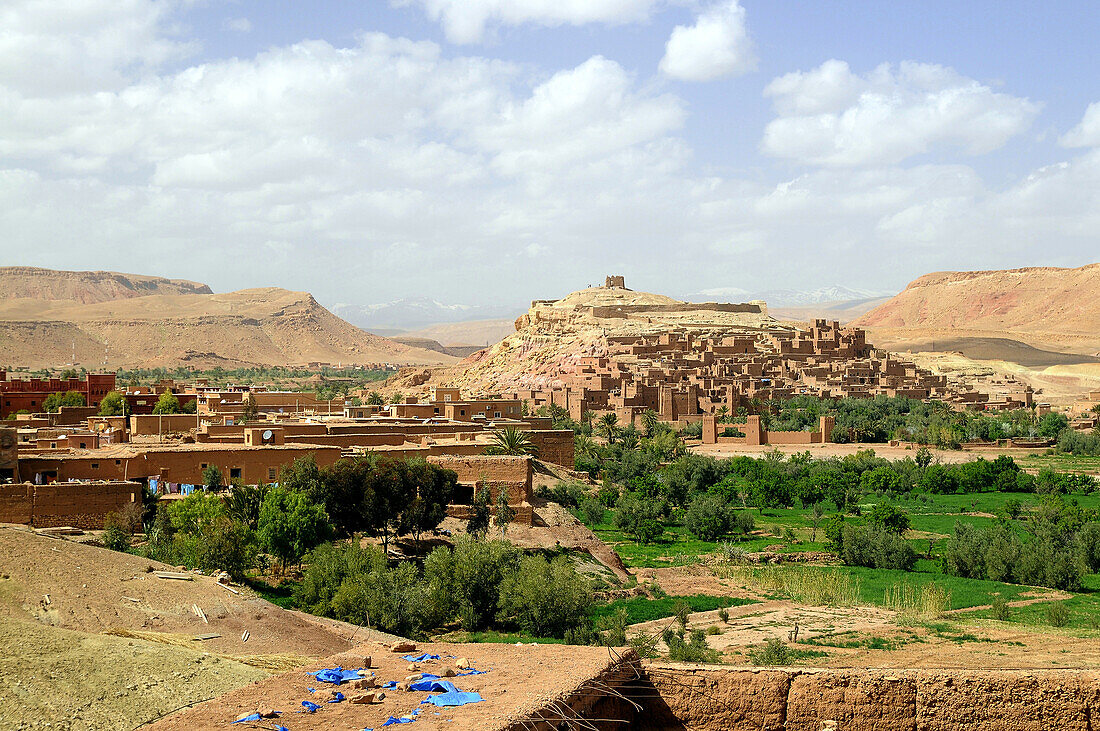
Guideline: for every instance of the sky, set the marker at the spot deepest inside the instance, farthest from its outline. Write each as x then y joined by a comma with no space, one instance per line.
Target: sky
498,151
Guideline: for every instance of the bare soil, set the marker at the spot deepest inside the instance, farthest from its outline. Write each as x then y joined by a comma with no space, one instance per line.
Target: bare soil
519,680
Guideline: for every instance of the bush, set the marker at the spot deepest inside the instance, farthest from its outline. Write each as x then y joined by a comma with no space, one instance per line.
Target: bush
1057,614
1000,609
291,525
545,598
693,649
873,547
889,518
708,518
592,511
639,518
566,494
115,537
774,652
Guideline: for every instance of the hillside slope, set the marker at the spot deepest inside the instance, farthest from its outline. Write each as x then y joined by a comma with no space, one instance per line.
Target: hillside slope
1046,307
88,287
267,326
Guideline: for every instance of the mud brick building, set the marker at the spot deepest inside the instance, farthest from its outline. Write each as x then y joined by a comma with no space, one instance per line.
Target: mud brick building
29,394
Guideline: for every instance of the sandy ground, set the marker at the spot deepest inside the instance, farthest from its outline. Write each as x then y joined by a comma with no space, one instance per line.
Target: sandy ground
61,679
519,680
952,641
80,587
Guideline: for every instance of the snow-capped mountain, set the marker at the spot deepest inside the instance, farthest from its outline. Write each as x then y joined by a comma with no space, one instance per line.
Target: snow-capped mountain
415,313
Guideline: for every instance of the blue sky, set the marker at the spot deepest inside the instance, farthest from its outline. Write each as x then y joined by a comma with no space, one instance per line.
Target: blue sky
495,151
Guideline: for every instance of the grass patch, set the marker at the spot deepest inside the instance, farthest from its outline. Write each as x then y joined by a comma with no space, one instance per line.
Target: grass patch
853,641
643,609
501,638
281,595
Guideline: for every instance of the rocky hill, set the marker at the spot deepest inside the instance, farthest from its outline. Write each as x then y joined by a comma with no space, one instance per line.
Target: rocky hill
555,333
1046,307
87,287
179,323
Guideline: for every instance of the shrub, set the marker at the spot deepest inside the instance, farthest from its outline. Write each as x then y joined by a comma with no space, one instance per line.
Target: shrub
639,518
291,525
1088,545
115,537
545,598
724,614
774,652
873,547
743,522
890,518
1057,614
707,518
592,511
1000,609
693,649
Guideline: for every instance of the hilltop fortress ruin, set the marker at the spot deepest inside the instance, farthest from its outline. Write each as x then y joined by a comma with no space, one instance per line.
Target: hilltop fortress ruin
612,349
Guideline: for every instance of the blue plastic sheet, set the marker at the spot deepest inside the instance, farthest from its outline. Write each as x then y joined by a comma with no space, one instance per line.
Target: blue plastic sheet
335,676
252,717
337,698
310,706
433,685
391,721
419,658
454,698
471,671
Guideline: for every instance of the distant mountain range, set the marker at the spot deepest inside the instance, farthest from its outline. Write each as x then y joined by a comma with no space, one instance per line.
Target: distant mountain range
51,318
416,313
787,297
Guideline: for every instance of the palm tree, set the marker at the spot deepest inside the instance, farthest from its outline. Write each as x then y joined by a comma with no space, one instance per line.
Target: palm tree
649,421
723,413
607,426
628,438
583,444
586,419
512,441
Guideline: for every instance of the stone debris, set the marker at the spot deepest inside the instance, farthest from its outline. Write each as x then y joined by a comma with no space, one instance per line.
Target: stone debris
403,647
374,696
462,663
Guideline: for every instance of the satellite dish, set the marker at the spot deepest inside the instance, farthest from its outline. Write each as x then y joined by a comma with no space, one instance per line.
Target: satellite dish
267,434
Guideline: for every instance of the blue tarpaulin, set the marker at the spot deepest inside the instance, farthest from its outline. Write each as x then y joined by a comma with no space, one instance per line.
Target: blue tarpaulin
310,706
454,698
419,658
391,721
433,685
335,675
251,717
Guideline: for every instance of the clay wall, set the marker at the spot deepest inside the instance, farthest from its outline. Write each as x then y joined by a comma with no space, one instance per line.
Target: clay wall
153,424
514,474
701,699
555,446
79,505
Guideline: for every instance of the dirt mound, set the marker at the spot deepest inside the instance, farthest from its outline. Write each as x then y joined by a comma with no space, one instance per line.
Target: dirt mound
81,587
1048,306
61,679
267,326
519,681
88,287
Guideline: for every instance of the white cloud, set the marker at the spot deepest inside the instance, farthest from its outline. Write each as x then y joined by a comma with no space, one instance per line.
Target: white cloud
389,167
50,47
1087,132
466,21
717,45
831,116
239,25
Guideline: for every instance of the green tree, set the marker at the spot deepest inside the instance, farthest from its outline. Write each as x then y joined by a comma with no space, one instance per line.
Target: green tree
707,517
890,518
249,410
639,518
545,598
650,421
189,406
212,479
168,403
55,401
375,399
434,488
196,513
478,524
607,426
244,502
505,513
511,441
113,404
291,525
